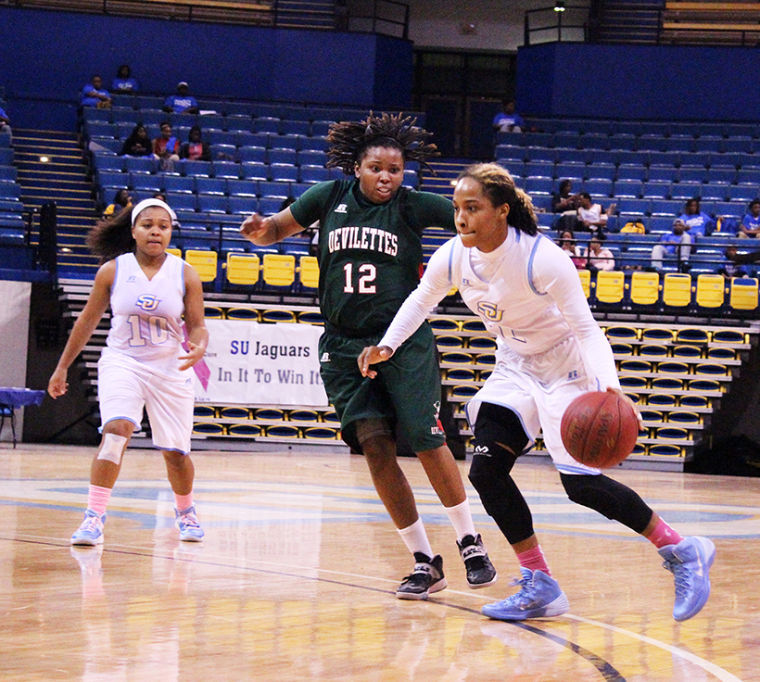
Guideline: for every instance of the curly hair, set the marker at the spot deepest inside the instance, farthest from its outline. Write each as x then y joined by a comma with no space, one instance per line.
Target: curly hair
500,188
349,140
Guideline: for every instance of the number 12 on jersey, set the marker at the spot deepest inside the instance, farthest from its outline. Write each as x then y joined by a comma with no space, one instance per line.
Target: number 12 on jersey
366,284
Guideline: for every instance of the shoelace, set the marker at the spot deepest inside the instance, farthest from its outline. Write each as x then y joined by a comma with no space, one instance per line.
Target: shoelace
525,595
681,576
190,519
91,523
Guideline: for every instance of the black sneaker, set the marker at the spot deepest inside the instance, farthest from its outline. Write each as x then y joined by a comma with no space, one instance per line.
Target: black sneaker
426,578
480,570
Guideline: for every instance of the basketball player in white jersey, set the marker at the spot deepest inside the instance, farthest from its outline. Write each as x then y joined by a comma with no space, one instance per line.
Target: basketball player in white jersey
549,351
143,365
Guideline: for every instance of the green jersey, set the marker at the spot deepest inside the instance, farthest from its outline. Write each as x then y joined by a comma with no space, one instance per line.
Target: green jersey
369,254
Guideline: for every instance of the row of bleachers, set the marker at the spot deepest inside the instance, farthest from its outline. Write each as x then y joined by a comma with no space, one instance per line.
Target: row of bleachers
120,124
298,112
12,228
614,128
578,171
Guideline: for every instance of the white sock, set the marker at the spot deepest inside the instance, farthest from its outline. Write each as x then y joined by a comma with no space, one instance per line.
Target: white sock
415,538
461,518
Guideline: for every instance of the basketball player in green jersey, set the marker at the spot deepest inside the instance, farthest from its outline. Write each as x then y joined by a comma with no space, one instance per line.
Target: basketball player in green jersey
370,253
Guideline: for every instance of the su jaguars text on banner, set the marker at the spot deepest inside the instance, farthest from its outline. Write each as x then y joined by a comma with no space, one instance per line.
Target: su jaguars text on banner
271,364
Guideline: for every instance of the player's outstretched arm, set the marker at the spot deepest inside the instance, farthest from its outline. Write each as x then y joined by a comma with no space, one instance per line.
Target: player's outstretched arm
264,231
96,305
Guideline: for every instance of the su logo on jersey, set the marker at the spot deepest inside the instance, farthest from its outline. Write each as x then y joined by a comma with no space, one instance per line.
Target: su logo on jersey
490,311
147,302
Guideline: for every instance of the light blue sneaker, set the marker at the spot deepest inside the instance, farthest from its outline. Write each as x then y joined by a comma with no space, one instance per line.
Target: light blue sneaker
90,533
189,527
539,596
689,561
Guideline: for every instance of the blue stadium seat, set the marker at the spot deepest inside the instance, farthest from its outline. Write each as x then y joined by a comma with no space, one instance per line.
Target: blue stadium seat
281,155
314,143
216,186
212,203
226,169
181,201
539,169
254,170
105,162
627,189
273,188
295,127
242,205
266,124
178,184
195,168
242,188
656,189
283,172
144,183
269,205
311,157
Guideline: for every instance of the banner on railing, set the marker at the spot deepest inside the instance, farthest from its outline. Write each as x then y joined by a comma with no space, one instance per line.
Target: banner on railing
251,363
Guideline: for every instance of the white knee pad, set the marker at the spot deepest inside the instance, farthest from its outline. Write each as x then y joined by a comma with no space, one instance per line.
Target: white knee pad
112,448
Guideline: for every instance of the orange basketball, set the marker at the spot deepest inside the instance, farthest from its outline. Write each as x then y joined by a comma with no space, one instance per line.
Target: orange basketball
599,429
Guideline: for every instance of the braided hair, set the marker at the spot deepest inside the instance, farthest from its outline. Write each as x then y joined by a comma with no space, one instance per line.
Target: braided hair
349,140
499,186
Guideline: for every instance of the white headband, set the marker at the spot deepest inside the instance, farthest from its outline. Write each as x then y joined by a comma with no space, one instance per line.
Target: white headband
147,203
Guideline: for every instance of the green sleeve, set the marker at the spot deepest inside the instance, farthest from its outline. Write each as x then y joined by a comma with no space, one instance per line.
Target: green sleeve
432,210
309,206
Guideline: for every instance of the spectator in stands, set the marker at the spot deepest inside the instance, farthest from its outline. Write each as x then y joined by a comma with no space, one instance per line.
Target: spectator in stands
5,122
676,243
598,257
564,199
182,102
508,120
750,225
138,143
697,223
195,149
124,84
121,200
166,147
591,216
94,95
365,274
567,243
730,268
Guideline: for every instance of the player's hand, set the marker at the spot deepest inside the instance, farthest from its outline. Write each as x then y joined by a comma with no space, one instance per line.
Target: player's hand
192,355
371,355
630,402
252,226
57,385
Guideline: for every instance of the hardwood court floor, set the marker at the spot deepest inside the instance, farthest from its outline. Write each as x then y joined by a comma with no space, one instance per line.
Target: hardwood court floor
295,579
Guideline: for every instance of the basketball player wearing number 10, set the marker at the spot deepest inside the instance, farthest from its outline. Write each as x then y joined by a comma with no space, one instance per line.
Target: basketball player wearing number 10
369,256
550,350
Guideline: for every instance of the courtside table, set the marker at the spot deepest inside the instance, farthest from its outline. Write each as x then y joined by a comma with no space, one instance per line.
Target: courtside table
12,398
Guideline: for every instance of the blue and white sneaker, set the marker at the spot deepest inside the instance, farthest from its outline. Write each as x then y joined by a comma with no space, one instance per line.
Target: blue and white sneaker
189,527
689,561
90,533
539,596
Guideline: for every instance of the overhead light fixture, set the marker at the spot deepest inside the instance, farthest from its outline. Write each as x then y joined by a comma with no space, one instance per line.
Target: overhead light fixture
559,6
44,159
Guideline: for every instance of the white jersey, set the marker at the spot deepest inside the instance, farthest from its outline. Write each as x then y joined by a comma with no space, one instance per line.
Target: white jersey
146,315
526,292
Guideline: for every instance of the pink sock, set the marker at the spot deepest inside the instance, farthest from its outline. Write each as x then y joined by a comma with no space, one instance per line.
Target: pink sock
663,535
183,501
534,560
97,499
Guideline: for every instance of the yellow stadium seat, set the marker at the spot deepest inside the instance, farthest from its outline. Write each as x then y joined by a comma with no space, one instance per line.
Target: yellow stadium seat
213,312
622,333
278,315
244,430
279,269
676,289
743,295
610,286
645,287
174,251
653,350
673,367
710,291
657,334
308,271
585,277
449,341
204,263
250,314
235,412
444,324
243,268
